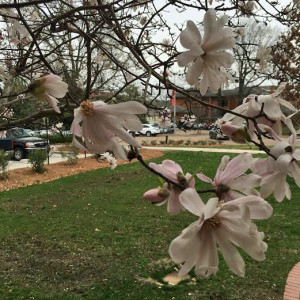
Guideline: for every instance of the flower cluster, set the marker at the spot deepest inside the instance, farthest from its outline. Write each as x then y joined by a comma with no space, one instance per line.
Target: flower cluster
240,184
274,170
266,109
224,221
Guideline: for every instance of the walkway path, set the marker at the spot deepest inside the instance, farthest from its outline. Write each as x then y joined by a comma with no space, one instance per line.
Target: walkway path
194,149
23,163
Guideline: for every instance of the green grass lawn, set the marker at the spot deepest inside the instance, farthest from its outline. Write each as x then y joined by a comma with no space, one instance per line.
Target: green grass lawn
92,236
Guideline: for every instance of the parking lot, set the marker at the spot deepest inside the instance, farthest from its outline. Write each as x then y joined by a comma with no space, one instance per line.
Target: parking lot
192,135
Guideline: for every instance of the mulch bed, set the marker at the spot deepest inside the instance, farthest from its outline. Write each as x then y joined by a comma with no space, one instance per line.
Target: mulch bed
24,177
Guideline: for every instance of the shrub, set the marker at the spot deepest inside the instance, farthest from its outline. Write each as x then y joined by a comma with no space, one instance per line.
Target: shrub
37,159
179,142
58,139
153,142
188,142
144,143
4,159
162,142
171,142
71,155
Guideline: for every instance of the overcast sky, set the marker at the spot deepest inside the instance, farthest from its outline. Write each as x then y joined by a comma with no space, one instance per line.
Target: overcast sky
178,18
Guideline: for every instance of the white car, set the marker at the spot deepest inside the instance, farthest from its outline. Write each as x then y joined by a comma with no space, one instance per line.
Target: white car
149,130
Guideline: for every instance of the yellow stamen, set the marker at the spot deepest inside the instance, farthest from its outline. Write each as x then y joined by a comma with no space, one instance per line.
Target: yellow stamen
87,108
212,223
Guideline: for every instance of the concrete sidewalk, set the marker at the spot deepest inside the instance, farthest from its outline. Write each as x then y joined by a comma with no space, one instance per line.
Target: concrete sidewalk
194,149
54,158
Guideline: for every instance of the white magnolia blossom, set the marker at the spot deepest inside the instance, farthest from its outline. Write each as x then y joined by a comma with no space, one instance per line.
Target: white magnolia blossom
100,125
225,225
110,159
49,87
263,56
206,56
274,172
270,105
247,7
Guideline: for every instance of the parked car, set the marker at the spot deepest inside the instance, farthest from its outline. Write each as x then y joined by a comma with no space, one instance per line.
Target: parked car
150,130
21,142
217,134
168,130
200,126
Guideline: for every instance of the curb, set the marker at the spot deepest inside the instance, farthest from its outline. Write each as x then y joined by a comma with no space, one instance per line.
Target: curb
292,287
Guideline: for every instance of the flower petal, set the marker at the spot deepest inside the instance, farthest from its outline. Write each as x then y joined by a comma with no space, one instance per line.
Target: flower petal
211,208
232,257
174,206
183,59
236,167
185,248
190,200
295,172
283,162
259,209
204,178
194,71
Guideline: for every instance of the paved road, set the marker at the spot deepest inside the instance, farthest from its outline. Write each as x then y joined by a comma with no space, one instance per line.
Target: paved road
23,163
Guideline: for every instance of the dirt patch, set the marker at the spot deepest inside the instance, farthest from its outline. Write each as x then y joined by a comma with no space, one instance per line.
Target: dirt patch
24,177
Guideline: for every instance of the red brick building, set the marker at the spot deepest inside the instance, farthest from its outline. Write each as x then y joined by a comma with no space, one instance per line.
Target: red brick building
228,99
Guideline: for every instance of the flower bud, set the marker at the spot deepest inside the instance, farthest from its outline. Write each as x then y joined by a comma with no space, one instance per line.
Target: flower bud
237,134
181,178
229,129
156,195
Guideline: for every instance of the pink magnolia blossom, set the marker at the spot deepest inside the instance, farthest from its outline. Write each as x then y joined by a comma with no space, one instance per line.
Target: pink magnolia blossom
49,87
100,125
173,171
269,104
230,182
206,56
225,225
274,172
